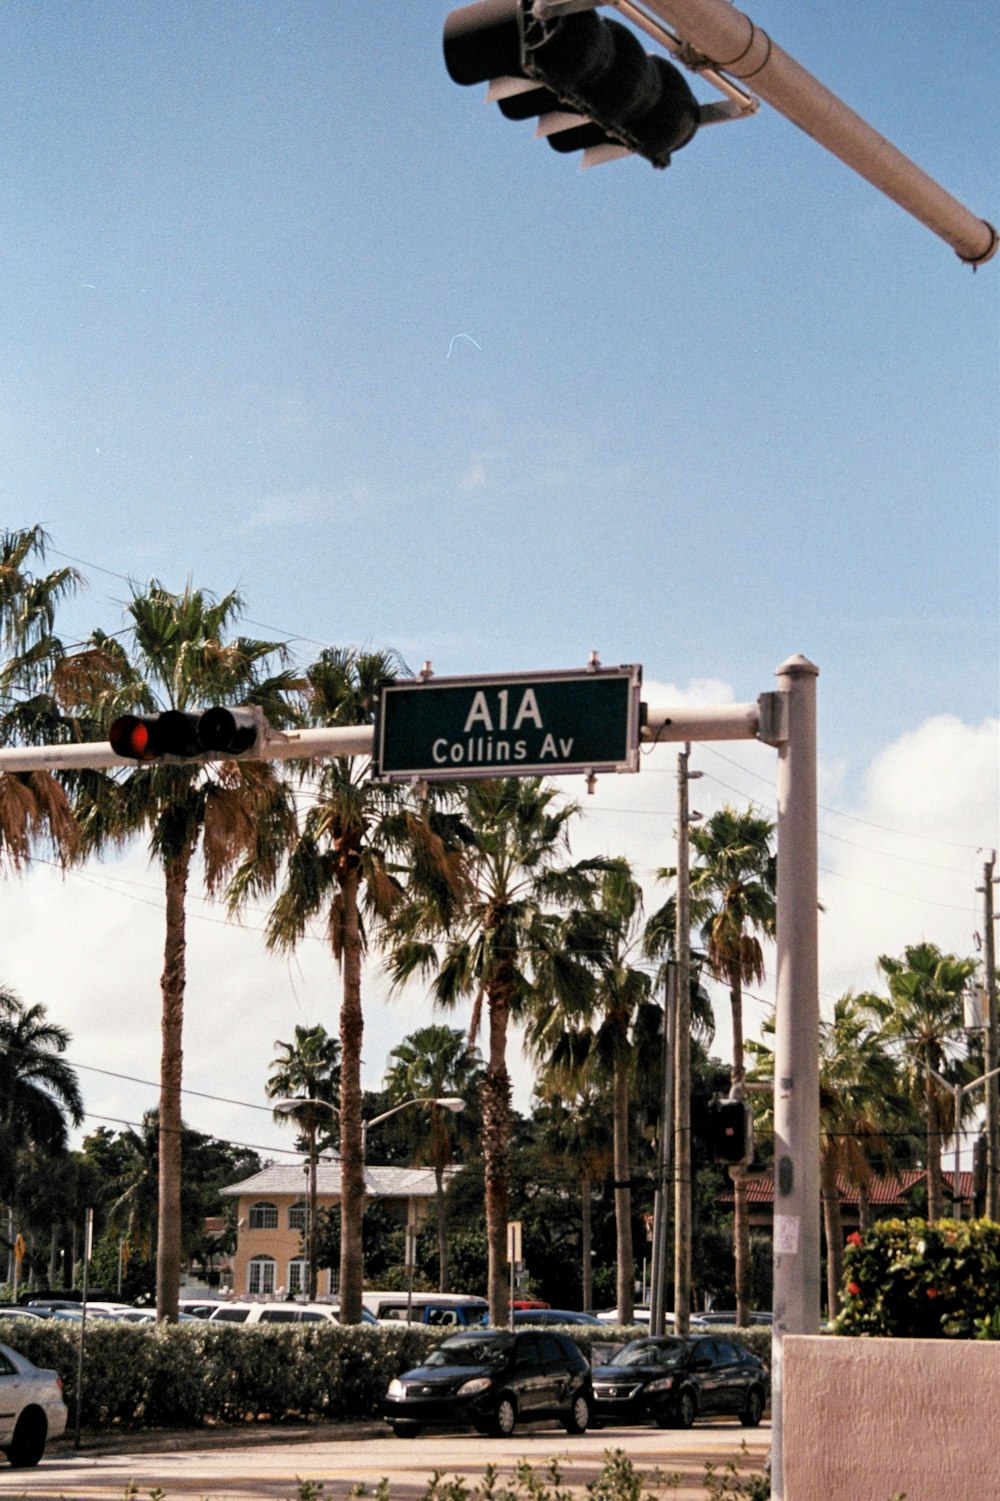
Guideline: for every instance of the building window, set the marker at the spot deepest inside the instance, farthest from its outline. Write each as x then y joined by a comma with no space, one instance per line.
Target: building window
263,1217
296,1277
297,1215
260,1275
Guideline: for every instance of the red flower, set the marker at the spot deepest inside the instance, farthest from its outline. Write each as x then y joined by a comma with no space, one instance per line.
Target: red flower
854,1289
932,1292
854,1239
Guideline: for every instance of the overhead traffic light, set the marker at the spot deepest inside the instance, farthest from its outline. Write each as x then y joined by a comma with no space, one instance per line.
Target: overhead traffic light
176,736
730,1131
590,80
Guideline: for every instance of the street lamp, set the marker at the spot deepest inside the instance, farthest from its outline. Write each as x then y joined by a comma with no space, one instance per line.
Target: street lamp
446,1102
957,1091
306,1110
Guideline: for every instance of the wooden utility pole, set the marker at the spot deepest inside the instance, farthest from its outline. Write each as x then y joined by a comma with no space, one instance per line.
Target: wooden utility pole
682,1058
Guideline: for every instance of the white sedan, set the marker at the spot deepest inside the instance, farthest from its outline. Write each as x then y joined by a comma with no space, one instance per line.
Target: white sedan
32,1408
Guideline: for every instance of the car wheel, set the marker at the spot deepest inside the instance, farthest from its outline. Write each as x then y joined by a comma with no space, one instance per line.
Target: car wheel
504,1417
579,1415
687,1407
405,1428
753,1408
28,1442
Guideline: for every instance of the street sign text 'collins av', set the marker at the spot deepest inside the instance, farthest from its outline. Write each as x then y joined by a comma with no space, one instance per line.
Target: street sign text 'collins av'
522,724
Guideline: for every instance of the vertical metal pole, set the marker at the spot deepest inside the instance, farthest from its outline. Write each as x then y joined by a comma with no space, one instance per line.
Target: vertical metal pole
956,1192
990,1059
796,1050
682,1063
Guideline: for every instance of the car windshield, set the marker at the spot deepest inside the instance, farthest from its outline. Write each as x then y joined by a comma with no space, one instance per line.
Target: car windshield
649,1352
470,1351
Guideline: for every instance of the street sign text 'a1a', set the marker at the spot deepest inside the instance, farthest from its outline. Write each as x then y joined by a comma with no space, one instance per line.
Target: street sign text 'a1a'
528,724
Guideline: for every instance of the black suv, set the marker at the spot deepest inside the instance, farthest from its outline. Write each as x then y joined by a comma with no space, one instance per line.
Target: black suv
494,1380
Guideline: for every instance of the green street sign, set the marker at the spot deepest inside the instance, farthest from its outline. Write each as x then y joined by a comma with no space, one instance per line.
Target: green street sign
530,724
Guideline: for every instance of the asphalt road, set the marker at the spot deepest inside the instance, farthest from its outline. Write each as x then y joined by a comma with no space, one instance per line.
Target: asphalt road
241,1466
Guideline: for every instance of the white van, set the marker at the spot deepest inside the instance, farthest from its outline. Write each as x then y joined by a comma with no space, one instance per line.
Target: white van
278,1313
443,1310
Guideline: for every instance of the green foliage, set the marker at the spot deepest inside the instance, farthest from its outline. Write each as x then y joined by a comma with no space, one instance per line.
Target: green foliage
925,1281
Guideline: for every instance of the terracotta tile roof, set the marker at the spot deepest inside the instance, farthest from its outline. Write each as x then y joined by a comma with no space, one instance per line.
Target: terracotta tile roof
882,1190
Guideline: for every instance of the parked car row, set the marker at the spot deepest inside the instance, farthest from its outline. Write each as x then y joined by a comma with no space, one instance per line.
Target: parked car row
493,1379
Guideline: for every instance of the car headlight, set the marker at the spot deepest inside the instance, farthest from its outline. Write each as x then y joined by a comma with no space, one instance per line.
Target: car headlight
475,1386
663,1385
396,1388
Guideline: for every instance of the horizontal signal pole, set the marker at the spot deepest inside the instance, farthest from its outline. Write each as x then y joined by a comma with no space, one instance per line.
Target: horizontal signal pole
721,722
730,42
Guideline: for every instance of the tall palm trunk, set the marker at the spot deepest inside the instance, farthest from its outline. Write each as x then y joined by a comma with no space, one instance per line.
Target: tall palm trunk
168,1250
496,1094
833,1230
623,1196
352,1166
741,1217
586,1243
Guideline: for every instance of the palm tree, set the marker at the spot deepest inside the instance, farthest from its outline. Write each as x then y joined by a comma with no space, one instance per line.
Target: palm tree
860,1108
434,1063
39,1094
305,1079
733,904
573,1124
515,935
33,805
922,1022
346,864
181,658
610,1031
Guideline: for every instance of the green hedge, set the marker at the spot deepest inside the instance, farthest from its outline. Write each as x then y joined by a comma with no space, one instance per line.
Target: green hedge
917,1280
182,1375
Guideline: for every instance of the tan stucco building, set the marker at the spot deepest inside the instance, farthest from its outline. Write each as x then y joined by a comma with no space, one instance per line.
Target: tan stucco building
271,1210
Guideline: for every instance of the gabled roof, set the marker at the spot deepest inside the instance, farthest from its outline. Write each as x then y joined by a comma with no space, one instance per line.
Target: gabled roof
380,1182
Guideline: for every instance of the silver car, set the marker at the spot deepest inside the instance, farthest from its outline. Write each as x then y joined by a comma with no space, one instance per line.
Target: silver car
32,1408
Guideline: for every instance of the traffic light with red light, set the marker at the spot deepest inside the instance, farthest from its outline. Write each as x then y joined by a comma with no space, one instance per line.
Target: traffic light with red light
590,80
176,736
730,1131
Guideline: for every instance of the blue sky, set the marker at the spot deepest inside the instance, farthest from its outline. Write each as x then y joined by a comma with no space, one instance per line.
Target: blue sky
700,419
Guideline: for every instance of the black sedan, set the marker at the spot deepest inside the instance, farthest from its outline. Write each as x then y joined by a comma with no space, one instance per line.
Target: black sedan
672,1381
494,1379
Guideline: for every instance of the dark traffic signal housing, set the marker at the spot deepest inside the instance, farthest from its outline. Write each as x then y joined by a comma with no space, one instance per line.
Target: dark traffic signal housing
730,1131
176,736
590,80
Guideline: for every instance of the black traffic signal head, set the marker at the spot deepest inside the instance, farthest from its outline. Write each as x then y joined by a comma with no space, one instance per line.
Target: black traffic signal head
730,1131
176,736
598,70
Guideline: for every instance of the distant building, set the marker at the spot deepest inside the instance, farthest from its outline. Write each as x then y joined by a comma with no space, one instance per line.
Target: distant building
889,1196
271,1214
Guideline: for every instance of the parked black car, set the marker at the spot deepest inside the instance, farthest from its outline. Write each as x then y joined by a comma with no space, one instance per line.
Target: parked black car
672,1381
494,1379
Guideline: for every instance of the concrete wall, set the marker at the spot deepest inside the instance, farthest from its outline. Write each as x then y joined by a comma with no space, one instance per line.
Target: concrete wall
864,1419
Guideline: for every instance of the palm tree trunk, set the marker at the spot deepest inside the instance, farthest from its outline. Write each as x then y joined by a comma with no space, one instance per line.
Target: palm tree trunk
586,1244
833,1229
741,1217
352,1166
496,1150
623,1196
168,1247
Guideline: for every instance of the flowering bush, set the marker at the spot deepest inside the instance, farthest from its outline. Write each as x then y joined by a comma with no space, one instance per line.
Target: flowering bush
923,1281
